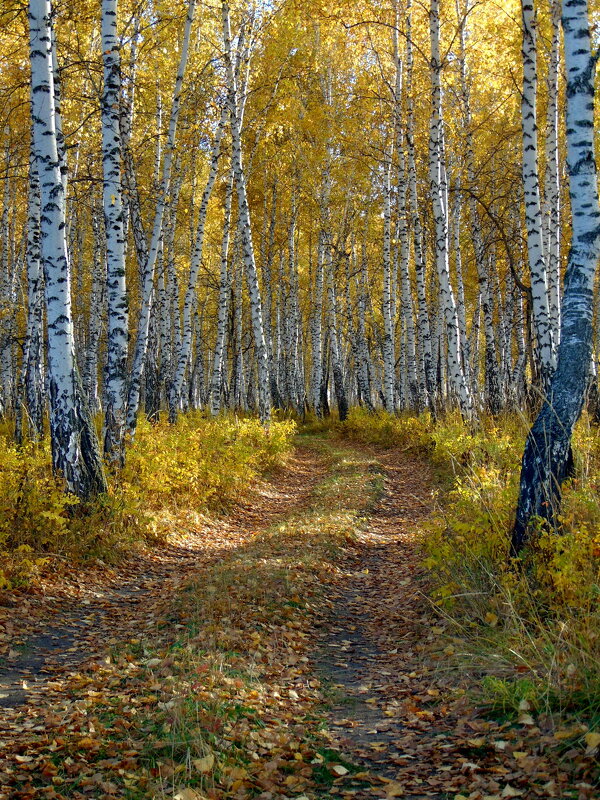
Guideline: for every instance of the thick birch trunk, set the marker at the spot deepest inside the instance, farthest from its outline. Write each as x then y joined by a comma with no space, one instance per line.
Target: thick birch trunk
547,459
75,451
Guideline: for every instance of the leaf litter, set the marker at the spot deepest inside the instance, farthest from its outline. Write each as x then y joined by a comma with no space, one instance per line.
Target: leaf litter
286,651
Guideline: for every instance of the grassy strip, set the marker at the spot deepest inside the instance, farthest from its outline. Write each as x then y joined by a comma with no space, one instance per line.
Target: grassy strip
218,700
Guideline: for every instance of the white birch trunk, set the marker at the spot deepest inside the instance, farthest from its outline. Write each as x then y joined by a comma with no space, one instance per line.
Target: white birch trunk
427,384
260,347
551,206
389,359
75,451
95,317
224,291
438,192
531,190
118,311
141,344
196,261
33,353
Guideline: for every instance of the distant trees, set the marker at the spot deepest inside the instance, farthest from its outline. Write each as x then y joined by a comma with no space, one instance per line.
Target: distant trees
277,211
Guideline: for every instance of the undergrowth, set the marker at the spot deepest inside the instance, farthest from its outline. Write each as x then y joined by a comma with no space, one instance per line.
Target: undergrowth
172,473
530,629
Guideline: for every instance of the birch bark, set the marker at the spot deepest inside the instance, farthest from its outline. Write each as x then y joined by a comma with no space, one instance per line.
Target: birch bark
531,189
141,344
260,347
75,451
118,307
438,192
547,459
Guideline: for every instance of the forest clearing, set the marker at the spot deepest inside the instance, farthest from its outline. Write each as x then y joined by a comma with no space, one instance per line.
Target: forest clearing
299,403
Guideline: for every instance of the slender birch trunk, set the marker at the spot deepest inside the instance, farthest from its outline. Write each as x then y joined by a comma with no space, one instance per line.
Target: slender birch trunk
95,317
141,344
316,328
224,290
260,347
531,189
118,306
267,267
389,358
33,353
364,360
492,388
427,387
334,344
196,261
551,206
7,300
438,191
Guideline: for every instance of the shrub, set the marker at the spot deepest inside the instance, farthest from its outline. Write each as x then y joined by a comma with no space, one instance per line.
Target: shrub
541,616
198,465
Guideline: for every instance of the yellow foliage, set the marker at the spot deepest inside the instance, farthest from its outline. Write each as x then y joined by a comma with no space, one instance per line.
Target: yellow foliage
198,464
388,430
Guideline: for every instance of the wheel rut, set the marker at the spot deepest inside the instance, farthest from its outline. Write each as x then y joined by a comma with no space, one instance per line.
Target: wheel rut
368,656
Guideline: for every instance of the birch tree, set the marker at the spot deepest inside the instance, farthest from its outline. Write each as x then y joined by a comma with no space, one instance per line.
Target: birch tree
141,344
75,450
531,190
438,192
118,312
260,346
547,459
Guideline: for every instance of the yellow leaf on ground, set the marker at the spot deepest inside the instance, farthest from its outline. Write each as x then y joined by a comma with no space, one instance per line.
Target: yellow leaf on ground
510,791
339,770
204,764
394,789
592,740
189,794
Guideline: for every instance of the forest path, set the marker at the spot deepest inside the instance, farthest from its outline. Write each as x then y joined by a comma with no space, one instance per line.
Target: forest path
79,617
287,651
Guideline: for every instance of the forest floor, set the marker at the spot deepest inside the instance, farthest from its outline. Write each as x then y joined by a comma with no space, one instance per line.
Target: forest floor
284,650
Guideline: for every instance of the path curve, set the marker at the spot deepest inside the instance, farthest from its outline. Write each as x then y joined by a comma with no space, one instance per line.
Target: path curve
71,621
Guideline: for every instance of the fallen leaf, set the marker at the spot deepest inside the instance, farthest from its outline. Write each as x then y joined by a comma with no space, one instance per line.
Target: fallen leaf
394,789
592,740
339,770
189,794
204,764
510,791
